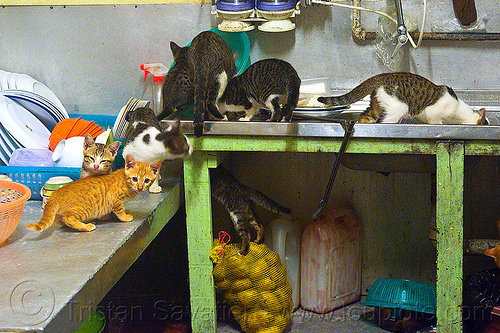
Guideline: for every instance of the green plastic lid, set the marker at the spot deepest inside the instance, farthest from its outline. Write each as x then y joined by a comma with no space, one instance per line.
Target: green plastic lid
402,294
94,323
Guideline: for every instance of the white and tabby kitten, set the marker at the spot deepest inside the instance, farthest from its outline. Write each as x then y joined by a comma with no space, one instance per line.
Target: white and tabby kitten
271,83
97,157
147,141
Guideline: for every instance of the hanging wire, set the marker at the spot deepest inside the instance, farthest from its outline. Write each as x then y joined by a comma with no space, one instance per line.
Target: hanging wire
412,42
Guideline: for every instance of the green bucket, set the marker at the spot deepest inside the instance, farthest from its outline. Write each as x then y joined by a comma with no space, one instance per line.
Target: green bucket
402,294
94,323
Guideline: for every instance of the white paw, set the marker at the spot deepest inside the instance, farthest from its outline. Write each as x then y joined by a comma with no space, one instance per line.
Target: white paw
155,188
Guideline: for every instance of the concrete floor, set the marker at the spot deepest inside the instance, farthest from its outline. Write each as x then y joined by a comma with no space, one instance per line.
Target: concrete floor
352,318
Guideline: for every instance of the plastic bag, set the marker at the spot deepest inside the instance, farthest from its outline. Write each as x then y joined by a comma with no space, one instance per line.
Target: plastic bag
255,285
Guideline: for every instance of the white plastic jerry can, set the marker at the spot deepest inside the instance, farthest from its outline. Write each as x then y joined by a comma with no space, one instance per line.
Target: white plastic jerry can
331,261
283,236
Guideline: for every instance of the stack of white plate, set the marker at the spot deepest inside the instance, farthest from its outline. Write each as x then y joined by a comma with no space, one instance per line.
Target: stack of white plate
28,113
120,126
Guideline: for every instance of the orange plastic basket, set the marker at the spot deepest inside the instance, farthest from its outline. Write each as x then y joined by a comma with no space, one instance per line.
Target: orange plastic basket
12,198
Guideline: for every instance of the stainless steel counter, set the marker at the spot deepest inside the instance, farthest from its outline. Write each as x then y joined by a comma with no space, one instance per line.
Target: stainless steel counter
51,281
335,130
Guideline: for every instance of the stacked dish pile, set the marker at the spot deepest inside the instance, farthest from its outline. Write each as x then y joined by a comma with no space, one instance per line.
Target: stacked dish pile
121,123
29,111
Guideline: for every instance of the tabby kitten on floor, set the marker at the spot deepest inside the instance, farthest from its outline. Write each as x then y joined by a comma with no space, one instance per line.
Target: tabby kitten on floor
146,140
97,157
94,197
210,64
178,90
396,96
271,83
237,200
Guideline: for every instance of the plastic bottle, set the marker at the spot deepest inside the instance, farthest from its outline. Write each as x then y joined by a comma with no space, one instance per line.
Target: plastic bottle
331,262
158,70
283,236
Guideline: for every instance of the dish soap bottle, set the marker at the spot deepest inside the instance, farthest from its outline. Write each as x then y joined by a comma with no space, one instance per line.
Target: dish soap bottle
158,70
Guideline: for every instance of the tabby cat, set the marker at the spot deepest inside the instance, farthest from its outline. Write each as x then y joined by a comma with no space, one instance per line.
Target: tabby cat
398,96
178,90
97,157
271,83
210,64
146,140
94,197
237,200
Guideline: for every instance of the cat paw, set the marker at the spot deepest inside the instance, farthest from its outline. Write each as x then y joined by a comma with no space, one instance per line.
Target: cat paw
87,227
155,189
34,226
126,218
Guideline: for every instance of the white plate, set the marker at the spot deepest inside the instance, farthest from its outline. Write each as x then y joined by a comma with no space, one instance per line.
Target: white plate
37,108
24,82
7,139
4,78
48,105
22,125
4,157
41,89
12,81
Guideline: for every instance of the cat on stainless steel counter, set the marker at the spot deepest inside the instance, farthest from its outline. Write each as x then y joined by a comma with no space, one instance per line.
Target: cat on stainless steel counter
209,64
271,83
398,96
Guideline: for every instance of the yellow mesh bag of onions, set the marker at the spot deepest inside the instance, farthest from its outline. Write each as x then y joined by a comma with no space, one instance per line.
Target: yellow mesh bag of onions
255,286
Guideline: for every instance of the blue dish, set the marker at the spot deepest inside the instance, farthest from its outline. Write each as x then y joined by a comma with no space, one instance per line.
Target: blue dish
275,5
235,5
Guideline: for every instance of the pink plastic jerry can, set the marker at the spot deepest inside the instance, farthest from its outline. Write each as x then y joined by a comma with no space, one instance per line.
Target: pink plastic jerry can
331,261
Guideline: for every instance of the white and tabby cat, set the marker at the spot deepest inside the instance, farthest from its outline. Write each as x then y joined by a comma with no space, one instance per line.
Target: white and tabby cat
146,140
398,96
237,199
97,157
271,83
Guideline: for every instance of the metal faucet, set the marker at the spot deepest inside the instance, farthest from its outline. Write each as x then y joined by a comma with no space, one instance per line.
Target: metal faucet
402,32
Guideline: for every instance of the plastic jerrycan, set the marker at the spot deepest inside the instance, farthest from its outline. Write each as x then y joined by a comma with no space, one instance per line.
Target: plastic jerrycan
283,236
331,261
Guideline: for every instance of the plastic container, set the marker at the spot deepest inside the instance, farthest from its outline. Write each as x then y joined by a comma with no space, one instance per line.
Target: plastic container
31,157
402,294
331,262
283,236
158,70
12,198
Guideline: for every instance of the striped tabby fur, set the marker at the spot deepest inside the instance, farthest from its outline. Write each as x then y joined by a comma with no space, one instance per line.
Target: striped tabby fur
97,157
237,200
271,83
93,197
398,96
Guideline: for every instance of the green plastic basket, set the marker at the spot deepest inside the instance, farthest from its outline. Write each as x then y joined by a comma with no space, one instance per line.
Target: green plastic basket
402,294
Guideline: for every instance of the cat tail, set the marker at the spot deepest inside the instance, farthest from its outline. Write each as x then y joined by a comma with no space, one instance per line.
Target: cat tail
48,217
358,93
200,103
269,204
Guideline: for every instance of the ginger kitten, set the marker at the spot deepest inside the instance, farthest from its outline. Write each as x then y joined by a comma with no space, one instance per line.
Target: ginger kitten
93,197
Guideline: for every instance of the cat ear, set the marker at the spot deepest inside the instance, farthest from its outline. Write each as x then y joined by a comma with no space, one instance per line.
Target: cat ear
490,252
173,126
113,148
175,49
89,142
129,162
155,166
